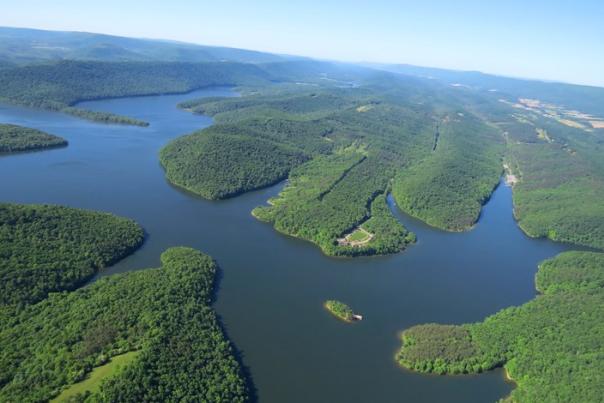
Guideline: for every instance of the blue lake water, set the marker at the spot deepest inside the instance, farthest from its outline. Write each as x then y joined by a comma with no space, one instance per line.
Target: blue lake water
272,287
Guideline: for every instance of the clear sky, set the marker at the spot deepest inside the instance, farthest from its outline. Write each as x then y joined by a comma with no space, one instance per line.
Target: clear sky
552,40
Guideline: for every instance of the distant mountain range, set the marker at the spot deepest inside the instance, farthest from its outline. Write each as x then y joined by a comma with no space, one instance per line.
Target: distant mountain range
23,45
585,98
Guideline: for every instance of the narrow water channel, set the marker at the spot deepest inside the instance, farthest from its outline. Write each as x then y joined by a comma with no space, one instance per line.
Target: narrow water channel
273,286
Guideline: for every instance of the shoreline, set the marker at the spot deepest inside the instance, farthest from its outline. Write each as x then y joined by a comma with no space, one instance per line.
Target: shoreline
507,376
153,94
76,104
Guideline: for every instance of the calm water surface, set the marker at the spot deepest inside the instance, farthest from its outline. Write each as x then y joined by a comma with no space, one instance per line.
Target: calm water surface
272,286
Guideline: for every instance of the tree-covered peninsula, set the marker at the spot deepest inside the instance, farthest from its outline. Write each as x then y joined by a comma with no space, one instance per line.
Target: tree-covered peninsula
343,150
552,346
216,165
440,150
160,320
14,138
61,85
438,190
46,249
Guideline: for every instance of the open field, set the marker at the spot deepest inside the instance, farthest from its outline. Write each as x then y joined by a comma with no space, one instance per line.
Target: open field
92,383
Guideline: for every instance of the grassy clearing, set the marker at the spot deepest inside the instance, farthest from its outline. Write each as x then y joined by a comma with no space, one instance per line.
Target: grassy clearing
364,108
542,135
358,236
93,382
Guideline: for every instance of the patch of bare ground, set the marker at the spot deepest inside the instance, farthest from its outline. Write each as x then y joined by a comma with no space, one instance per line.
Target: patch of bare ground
597,124
356,238
571,123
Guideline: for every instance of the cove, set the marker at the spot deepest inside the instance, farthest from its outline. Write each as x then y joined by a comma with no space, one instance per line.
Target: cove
270,297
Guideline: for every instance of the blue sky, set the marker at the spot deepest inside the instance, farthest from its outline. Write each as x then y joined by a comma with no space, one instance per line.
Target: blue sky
551,40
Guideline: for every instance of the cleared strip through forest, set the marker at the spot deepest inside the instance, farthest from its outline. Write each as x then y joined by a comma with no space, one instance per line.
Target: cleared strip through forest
341,178
436,136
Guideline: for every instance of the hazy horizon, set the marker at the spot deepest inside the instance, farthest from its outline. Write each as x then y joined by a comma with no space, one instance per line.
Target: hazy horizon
548,41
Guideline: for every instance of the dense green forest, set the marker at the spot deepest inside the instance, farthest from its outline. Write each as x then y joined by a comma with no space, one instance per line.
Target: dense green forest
552,346
294,110
61,85
439,150
342,138
441,147
351,145
447,189
164,314
46,249
209,163
561,187
15,138
329,197
560,168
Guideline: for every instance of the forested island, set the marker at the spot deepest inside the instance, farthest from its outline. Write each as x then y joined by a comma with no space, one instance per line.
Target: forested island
551,346
46,248
14,138
340,310
161,317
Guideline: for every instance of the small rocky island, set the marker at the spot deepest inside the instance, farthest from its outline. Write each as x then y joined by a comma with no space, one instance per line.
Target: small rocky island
342,311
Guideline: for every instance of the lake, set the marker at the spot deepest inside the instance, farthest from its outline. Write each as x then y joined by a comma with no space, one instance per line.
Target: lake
272,287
